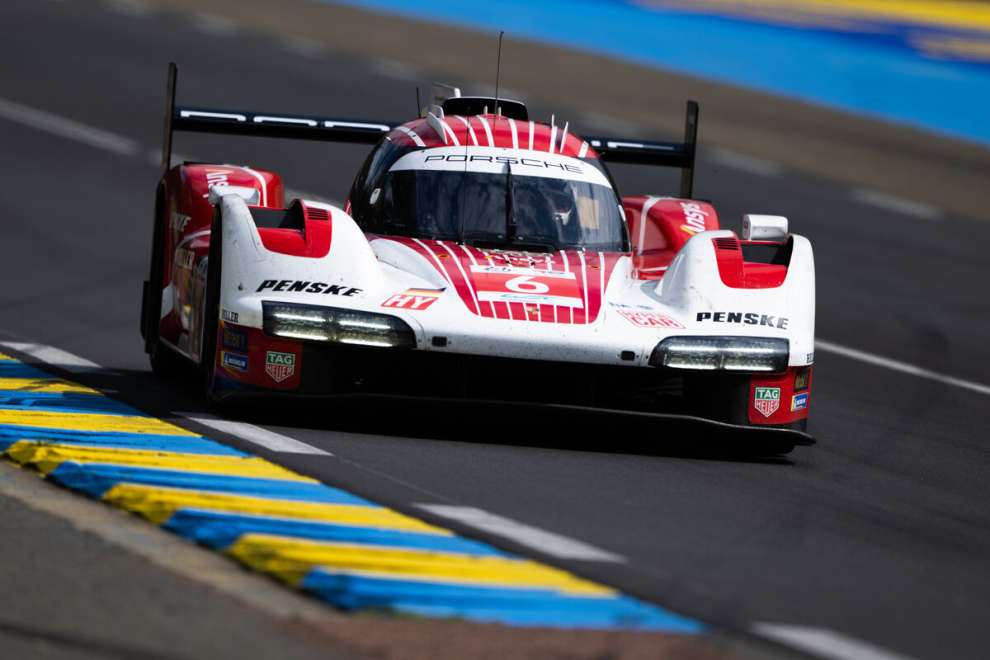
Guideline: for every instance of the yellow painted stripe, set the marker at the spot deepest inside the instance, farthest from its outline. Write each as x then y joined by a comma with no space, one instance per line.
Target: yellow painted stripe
291,559
56,385
91,422
7,358
45,457
946,13
158,505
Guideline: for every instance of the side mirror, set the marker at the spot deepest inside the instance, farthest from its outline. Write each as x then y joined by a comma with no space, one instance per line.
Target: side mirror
249,195
764,228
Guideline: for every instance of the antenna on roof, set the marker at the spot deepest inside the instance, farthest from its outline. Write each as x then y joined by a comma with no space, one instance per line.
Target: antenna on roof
498,70
419,106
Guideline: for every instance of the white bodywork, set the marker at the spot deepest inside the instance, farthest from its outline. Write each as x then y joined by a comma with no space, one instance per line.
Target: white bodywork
382,268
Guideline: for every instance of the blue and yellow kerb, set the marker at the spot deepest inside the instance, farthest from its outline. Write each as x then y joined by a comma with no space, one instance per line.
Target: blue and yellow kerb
341,548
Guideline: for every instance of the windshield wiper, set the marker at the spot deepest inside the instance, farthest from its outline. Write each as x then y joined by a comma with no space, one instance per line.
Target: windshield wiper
510,207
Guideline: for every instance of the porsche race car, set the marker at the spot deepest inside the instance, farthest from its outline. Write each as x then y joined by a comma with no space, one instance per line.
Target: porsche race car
481,255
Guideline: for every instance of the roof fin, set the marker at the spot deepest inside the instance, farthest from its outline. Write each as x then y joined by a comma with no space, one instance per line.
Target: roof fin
436,123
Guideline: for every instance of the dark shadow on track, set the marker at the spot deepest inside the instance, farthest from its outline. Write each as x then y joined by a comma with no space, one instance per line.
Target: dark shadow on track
549,427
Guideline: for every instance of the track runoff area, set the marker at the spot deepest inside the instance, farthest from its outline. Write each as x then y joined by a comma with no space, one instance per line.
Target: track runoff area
343,549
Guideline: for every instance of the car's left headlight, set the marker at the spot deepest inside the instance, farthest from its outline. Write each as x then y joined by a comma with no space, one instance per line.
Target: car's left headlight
722,353
332,324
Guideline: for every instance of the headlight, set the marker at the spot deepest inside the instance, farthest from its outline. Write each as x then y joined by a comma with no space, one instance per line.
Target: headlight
722,353
344,326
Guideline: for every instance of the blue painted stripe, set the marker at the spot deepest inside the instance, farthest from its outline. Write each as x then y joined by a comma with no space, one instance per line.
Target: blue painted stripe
89,404
9,434
858,73
220,530
64,402
95,479
526,607
10,369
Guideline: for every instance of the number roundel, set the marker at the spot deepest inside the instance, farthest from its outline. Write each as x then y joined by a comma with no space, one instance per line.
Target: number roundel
526,284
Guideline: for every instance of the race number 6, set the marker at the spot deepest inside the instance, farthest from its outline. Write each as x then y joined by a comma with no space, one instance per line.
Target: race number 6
526,284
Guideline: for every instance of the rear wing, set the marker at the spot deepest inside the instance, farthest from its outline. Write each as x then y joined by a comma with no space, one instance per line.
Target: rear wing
257,124
664,154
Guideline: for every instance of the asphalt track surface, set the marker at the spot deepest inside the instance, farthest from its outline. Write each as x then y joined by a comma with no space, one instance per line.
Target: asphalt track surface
881,532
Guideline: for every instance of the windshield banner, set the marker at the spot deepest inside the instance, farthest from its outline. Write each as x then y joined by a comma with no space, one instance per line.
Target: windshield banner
493,160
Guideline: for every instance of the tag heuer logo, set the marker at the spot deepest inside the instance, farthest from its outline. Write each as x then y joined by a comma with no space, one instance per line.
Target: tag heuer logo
767,400
281,365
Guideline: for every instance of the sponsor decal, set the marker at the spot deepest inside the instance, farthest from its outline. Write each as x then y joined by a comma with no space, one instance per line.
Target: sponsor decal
766,400
539,163
280,366
650,319
624,306
229,316
694,217
179,221
234,361
799,401
303,286
234,339
750,318
493,160
518,259
506,284
413,299
216,178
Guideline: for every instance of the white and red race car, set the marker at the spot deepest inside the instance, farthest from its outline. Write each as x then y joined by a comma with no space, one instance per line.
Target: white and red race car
484,256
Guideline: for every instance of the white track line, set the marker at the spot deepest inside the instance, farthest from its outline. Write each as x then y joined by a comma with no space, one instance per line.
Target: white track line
304,46
257,435
55,357
824,643
744,163
67,128
531,537
396,70
902,367
217,26
896,204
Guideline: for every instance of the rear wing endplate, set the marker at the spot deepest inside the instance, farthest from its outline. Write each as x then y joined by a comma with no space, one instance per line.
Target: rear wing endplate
257,124
664,154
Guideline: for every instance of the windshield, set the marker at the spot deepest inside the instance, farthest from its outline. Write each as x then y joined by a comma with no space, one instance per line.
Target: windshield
504,200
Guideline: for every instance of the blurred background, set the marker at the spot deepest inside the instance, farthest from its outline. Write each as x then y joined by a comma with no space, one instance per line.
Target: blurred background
863,121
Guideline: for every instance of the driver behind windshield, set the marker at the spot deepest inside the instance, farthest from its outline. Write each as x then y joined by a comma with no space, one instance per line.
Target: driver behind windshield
479,207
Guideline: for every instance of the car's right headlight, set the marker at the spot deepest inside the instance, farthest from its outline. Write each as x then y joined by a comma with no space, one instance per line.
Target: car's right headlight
332,324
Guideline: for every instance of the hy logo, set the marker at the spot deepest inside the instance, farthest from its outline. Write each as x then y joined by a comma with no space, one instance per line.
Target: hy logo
280,366
767,400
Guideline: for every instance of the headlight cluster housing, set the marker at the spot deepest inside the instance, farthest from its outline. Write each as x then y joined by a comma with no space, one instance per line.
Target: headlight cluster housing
332,324
765,354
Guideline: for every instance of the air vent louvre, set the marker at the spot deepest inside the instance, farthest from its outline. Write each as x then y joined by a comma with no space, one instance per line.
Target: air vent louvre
317,214
728,243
